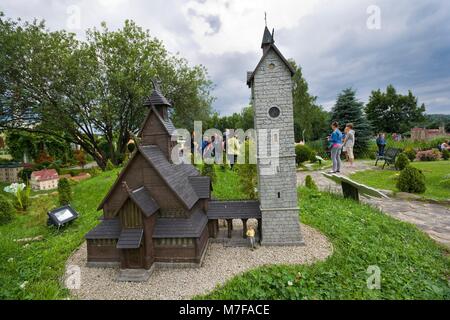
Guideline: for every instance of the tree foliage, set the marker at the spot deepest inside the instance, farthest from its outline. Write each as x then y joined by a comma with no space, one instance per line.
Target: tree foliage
64,192
308,115
348,109
393,112
50,82
243,120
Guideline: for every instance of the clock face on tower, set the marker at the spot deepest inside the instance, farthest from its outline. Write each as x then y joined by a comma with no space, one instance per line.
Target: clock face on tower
274,112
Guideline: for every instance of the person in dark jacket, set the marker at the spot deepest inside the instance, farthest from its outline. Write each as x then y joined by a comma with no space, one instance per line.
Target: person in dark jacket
381,144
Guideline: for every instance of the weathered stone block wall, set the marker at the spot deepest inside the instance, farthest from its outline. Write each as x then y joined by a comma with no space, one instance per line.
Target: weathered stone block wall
272,87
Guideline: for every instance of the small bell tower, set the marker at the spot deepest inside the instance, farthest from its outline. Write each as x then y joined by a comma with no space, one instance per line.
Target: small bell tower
271,85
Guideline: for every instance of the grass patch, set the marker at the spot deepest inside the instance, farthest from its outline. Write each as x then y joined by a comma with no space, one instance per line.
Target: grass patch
40,265
227,186
386,179
412,265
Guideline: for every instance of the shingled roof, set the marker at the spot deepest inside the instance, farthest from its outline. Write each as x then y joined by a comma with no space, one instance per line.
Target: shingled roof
141,197
156,98
168,125
176,176
268,44
107,229
181,228
130,238
202,186
234,209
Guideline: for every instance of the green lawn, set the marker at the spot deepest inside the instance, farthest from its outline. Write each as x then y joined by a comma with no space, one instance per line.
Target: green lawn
227,186
412,265
40,265
386,179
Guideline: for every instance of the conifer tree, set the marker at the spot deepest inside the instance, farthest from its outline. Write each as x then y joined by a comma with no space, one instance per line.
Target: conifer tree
348,109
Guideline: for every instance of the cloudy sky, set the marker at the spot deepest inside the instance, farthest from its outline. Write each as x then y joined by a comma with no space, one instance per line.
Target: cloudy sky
364,44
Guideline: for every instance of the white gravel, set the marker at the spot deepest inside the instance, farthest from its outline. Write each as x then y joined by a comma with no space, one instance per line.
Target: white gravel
220,264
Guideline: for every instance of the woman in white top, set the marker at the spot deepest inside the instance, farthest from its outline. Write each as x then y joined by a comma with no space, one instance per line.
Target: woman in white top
349,143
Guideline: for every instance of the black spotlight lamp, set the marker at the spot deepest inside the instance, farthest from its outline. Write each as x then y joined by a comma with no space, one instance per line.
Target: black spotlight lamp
61,216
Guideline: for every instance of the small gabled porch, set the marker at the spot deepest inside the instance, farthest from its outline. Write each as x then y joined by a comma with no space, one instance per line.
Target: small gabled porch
228,221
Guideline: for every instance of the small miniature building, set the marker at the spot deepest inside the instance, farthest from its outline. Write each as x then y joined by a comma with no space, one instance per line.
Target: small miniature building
9,172
46,179
422,134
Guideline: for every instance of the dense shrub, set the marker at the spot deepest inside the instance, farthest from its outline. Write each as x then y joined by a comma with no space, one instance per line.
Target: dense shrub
411,180
64,192
445,154
303,153
410,153
109,166
319,147
310,184
402,161
25,174
445,183
6,211
209,171
428,155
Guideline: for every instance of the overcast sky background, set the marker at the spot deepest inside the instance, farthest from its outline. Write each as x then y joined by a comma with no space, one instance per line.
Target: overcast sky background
330,39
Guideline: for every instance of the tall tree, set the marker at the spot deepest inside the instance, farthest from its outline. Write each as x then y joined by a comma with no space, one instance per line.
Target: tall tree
309,117
93,90
348,109
392,112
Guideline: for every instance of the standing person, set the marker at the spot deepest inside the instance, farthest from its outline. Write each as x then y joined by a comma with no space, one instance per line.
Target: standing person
218,149
381,144
349,143
251,236
232,149
335,141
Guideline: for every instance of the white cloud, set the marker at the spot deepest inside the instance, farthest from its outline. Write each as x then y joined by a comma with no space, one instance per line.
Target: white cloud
242,22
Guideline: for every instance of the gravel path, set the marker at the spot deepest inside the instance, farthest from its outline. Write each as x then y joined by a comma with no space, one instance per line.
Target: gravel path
220,264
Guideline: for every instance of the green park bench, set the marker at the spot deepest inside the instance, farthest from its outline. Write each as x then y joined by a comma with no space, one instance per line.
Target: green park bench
352,189
389,157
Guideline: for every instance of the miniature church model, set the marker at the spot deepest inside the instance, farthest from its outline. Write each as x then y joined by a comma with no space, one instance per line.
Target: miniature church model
271,86
161,213
155,211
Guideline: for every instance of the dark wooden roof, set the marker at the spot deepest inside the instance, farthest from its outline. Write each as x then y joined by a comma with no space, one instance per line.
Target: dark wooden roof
107,229
130,238
167,124
141,197
181,228
176,176
234,210
202,186
274,48
156,98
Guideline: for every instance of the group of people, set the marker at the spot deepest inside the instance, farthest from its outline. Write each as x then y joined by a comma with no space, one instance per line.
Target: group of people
214,146
341,142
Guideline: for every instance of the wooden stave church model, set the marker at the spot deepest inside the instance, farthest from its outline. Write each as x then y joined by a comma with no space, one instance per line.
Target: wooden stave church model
156,211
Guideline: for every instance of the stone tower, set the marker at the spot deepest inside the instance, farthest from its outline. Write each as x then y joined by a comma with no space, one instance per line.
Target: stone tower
271,85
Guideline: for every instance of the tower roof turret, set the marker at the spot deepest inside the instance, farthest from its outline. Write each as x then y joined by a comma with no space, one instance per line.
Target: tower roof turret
156,98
